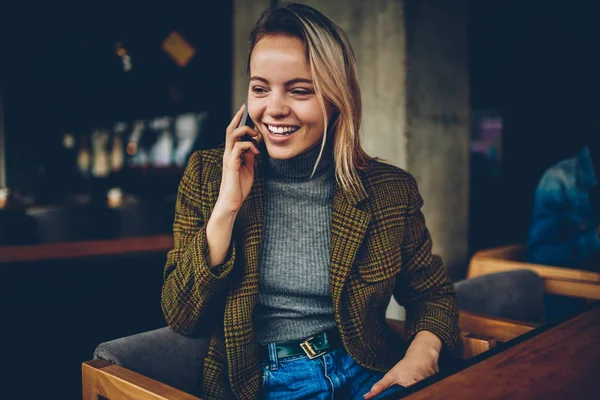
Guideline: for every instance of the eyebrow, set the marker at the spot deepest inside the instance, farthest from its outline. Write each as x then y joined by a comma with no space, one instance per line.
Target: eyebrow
288,83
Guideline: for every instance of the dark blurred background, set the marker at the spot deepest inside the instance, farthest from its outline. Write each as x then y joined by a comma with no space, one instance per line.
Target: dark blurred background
91,102
62,74
536,65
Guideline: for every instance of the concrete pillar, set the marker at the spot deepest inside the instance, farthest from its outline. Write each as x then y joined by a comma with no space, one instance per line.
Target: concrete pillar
413,71
437,125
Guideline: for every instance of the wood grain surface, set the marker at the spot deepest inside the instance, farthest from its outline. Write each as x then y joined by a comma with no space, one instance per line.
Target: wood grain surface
113,382
560,363
93,248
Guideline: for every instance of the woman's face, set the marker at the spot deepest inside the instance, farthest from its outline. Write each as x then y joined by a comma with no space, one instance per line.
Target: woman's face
281,97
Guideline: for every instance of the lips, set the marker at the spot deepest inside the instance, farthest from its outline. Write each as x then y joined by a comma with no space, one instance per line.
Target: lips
286,135
282,129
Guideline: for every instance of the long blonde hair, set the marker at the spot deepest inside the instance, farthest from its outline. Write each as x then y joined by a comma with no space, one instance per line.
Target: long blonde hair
333,68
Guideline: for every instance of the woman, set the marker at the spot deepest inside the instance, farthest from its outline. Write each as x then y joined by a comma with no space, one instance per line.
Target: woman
289,246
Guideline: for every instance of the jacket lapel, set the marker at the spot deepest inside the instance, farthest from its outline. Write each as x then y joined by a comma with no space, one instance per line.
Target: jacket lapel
348,228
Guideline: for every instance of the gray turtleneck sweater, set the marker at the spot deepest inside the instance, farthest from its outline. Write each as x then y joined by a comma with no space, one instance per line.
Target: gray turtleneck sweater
294,297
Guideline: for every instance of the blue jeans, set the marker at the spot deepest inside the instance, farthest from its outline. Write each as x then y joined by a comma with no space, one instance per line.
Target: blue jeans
334,375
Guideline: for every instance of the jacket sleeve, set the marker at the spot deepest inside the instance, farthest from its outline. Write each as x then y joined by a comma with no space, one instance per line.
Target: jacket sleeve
192,292
553,239
422,286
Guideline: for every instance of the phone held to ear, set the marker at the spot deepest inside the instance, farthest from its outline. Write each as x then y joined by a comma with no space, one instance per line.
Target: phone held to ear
246,120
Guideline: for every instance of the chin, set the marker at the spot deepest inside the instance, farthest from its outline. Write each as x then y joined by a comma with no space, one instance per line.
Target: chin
278,153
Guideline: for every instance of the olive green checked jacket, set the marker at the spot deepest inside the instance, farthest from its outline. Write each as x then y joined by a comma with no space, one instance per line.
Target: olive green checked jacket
378,236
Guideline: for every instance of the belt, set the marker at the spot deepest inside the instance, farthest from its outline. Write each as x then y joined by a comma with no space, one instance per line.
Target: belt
313,347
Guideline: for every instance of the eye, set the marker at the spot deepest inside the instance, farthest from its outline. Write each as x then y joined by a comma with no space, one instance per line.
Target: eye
302,92
259,90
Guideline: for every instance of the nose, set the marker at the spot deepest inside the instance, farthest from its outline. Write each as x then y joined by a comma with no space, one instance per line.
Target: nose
277,106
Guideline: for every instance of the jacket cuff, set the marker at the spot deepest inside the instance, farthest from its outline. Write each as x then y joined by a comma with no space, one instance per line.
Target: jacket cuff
197,254
442,324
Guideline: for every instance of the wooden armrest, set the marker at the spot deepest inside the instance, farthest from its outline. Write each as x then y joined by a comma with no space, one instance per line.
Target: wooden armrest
516,252
113,382
478,333
499,328
474,344
557,280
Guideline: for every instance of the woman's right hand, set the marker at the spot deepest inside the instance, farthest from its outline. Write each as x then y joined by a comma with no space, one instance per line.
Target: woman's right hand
238,165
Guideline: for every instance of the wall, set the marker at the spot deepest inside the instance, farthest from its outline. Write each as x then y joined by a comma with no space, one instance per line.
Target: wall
437,135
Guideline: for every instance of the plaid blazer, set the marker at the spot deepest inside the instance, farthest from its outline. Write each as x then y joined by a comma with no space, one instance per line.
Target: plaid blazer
378,236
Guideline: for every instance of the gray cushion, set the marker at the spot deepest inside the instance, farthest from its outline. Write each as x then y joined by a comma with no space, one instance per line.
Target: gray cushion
162,355
517,295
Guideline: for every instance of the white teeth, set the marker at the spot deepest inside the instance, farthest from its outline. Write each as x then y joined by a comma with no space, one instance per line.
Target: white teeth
282,129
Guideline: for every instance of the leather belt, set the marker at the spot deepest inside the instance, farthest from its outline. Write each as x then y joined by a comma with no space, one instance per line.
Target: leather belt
312,347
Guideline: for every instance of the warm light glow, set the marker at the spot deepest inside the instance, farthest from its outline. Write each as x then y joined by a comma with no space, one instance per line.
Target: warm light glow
127,66
178,48
114,197
68,141
132,148
3,198
121,52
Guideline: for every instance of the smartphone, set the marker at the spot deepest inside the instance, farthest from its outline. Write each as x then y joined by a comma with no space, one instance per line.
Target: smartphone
246,120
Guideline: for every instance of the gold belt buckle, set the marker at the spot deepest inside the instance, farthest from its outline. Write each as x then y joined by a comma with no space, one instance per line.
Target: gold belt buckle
310,350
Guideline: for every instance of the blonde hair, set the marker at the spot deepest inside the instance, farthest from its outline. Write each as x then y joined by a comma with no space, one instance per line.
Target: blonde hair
333,68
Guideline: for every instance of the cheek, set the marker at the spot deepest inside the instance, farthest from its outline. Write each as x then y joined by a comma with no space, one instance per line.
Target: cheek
254,109
311,114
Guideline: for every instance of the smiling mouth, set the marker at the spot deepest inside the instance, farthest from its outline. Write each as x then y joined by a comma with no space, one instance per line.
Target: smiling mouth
282,130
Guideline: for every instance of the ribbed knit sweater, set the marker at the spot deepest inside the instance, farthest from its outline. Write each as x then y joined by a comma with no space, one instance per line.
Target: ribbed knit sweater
294,295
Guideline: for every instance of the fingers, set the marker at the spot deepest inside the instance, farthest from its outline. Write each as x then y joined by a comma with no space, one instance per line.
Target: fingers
258,137
248,157
380,386
245,151
236,119
235,133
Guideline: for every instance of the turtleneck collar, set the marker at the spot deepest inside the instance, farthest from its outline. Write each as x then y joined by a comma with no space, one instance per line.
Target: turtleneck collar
301,166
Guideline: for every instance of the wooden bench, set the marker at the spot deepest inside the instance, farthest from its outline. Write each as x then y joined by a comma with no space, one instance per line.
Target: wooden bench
557,280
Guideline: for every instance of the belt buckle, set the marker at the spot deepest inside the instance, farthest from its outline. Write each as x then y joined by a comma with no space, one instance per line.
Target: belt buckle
310,351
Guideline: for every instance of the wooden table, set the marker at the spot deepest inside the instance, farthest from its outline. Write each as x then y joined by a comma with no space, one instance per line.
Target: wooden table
562,362
81,249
